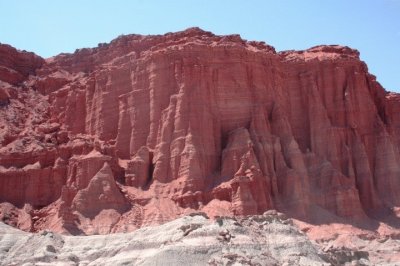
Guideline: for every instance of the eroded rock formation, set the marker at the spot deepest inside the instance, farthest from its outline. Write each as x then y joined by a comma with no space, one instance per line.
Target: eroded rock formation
147,128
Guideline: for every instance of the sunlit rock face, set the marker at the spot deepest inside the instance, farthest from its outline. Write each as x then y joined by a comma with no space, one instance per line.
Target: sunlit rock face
148,128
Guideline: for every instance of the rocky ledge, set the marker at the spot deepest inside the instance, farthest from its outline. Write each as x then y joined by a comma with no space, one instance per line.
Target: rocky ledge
269,239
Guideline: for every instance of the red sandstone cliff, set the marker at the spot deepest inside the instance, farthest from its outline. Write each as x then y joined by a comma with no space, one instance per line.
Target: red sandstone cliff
147,128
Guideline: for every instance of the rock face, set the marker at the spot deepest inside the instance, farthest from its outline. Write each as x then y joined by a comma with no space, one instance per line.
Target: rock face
188,240
269,239
147,128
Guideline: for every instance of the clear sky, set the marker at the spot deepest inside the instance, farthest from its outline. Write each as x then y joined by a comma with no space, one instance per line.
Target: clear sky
54,26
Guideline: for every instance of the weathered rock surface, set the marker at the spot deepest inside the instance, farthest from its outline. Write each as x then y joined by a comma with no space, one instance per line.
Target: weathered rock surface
189,240
268,239
16,66
148,128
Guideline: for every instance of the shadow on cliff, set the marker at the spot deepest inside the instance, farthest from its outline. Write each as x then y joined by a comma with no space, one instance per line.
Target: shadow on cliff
371,222
74,230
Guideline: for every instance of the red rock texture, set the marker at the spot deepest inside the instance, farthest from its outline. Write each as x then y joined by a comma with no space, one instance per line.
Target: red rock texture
147,128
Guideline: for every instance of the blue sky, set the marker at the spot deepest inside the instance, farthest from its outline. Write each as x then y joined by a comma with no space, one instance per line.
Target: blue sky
54,26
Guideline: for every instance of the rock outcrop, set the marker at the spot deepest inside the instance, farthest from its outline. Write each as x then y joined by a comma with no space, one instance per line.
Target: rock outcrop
269,239
188,240
148,128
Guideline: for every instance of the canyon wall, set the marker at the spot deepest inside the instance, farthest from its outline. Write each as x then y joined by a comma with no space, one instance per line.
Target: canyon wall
148,128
